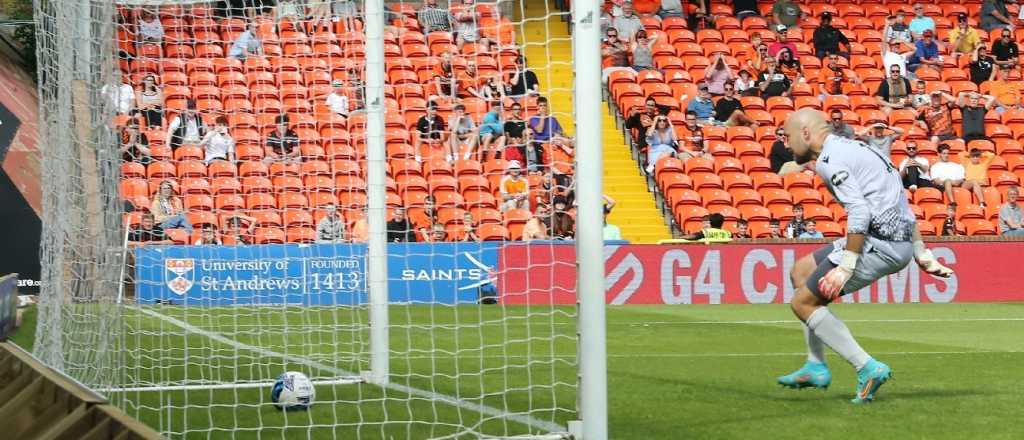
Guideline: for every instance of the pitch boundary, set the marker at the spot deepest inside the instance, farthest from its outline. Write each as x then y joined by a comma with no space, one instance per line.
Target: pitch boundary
795,321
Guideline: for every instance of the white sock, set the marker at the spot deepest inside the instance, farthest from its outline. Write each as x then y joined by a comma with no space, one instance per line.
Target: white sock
834,333
815,348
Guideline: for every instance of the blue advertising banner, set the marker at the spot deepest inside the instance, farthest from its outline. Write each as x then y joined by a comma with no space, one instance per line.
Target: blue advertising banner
318,274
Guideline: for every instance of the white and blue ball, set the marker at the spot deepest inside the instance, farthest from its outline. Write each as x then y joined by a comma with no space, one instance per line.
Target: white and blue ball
292,391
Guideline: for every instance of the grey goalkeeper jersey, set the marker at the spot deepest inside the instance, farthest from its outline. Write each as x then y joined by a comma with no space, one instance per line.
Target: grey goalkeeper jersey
868,186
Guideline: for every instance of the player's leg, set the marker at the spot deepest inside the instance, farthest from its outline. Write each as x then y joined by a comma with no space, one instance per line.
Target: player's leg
814,372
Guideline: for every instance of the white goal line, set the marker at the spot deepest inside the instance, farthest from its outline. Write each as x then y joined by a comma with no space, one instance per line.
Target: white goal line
343,375
795,321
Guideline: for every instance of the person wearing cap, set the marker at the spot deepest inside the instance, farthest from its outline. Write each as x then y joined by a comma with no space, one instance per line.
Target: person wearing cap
982,66
786,13
1005,49
1006,91
643,51
331,228
926,53
920,22
936,117
464,135
973,110
337,100
827,39
897,30
963,38
431,133
875,135
702,105
185,128
628,24
833,77
994,15
914,170
975,165
513,188
894,92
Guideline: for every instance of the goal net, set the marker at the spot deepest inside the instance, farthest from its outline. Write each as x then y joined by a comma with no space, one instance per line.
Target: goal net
238,189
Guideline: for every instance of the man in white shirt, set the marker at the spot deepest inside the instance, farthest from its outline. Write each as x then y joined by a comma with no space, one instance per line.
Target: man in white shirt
246,44
218,142
338,100
882,238
331,228
914,170
946,174
891,56
122,97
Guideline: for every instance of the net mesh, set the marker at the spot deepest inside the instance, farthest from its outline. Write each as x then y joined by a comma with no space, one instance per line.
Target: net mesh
262,266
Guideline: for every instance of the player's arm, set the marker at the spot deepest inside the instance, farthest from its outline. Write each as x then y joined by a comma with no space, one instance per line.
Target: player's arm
850,193
926,259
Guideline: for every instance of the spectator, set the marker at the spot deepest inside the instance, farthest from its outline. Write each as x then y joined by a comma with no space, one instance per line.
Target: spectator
981,66
897,30
468,229
337,100
628,24
712,232
786,13
523,81
536,227
833,76
433,18
745,85
614,54
431,134
894,92
121,98
914,170
920,22
717,75
147,232
360,229
994,16
516,135
926,53
947,174
424,218
700,18
562,224
246,44
789,65
729,110
237,233
780,154
892,56
936,117
661,141
975,166
150,30
185,128
437,234
465,29
208,236
920,98
346,11
543,128
643,52
963,39
399,229
283,143
445,84
610,231
744,9
773,229
218,142
464,134
331,228
973,114
949,226
470,81
289,11
756,62
134,144
742,229
702,105
672,8
150,102
1005,49
781,41
796,227
773,82
827,39
492,136
876,137
839,126
515,192
1011,222
811,230
1006,91
167,208
696,146
689,125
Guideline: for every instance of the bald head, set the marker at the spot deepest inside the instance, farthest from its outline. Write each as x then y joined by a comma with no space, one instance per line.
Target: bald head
806,129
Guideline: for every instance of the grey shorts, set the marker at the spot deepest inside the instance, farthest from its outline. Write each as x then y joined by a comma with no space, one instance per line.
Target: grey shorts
878,259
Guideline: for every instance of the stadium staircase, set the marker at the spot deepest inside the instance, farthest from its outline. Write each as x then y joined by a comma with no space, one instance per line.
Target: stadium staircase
548,50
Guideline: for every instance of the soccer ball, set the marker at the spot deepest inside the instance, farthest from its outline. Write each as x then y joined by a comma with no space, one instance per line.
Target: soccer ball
292,391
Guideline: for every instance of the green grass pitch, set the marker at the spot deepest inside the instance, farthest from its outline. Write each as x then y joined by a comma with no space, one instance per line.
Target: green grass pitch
675,372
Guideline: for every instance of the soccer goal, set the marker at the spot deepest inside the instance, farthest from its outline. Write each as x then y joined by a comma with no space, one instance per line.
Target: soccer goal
280,254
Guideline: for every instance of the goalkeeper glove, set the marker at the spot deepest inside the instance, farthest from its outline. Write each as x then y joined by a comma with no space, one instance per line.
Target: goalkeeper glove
928,263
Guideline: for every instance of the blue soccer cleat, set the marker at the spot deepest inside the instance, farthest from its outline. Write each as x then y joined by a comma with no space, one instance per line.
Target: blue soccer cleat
869,379
812,374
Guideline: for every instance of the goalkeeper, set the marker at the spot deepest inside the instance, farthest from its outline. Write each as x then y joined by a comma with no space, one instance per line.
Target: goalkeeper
881,238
